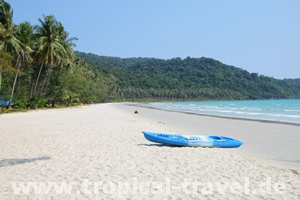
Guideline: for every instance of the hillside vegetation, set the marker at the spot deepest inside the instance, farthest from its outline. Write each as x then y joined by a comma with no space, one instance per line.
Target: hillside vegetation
186,79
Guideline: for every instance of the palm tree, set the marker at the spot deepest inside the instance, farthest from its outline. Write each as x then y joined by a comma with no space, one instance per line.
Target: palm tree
6,14
5,60
54,48
67,56
8,42
24,35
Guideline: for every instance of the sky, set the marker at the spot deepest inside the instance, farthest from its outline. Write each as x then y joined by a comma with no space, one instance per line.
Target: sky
260,36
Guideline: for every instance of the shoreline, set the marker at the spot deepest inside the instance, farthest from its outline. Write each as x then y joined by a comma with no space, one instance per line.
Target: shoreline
218,116
279,153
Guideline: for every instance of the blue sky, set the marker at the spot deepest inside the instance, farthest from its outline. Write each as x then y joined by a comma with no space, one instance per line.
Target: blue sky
260,36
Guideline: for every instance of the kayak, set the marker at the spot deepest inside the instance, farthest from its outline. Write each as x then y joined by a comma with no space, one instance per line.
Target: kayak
192,140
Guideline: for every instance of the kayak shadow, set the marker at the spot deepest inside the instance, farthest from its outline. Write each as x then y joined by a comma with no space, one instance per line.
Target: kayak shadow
12,162
160,145
174,146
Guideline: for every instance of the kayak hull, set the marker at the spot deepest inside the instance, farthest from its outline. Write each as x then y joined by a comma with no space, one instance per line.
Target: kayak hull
192,140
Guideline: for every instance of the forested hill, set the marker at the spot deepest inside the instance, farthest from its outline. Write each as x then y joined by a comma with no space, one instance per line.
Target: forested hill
189,78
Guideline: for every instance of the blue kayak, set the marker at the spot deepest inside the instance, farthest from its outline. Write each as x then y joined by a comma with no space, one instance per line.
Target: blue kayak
192,140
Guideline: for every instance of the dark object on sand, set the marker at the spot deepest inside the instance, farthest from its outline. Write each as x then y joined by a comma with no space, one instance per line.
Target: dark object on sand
136,112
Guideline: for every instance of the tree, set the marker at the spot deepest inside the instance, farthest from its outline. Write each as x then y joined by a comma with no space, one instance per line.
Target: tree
67,56
8,42
52,45
24,35
5,64
6,14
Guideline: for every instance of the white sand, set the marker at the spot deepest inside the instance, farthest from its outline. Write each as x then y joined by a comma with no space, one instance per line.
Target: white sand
101,147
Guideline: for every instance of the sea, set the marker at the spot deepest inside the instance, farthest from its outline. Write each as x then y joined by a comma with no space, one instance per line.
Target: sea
282,110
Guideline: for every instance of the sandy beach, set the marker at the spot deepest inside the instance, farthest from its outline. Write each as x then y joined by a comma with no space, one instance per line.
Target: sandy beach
276,143
99,152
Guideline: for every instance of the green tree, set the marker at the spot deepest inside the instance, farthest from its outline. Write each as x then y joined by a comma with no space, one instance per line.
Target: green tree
5,64
54,47
8,42
25,36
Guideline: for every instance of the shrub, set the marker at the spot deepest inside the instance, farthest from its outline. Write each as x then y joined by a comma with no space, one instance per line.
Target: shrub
42,103
20,104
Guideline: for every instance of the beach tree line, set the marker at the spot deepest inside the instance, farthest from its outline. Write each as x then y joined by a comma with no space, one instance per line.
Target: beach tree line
38,66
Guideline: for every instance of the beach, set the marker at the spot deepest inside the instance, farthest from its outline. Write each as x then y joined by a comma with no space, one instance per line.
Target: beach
274,142
99,152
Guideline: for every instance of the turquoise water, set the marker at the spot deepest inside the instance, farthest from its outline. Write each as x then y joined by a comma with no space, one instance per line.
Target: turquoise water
271,110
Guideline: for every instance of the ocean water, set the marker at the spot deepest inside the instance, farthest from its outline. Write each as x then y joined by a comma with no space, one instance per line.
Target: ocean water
270,110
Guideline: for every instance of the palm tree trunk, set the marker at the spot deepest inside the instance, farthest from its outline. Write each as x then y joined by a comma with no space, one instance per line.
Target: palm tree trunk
16,77
45,85
31,91
38,77
0,77
48,79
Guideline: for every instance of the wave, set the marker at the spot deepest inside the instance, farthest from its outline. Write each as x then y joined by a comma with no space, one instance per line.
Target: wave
283,111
